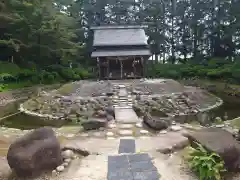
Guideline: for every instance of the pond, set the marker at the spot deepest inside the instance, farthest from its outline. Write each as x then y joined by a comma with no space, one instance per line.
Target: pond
23,121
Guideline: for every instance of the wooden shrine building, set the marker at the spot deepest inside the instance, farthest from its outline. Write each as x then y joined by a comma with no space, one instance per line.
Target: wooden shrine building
121,51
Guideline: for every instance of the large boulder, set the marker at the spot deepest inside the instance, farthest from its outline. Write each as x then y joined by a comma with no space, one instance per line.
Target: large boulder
34,153
138,109
221,142
157,123
94,123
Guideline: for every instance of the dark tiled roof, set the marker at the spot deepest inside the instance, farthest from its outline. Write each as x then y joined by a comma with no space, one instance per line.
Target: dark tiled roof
121,52
119,36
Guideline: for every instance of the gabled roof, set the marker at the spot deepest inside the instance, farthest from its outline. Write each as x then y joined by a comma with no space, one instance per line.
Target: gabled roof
119,36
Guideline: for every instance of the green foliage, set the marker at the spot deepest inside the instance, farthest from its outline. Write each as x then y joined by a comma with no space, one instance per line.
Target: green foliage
214,70
2,87
5,77
208,166
51,74
10,68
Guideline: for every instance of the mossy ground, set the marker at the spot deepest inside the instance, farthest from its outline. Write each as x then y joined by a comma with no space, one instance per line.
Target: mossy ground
235,123
66,89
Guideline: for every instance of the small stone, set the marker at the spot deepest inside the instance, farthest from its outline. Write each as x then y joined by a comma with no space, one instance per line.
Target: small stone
125,132
176,128
110,138
227,123
84,135
125,126
163,132
218,119
101,129
111,126
173,123
97,134
110,134
139,125
60,168
68,154
143,131
144,137
54,172
219,126
70,135
65,164
67,160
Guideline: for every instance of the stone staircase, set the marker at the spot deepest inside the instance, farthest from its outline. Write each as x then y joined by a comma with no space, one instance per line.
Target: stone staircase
122,99
123,102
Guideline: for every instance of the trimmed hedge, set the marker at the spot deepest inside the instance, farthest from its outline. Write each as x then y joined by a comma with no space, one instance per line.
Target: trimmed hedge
214,70
51,74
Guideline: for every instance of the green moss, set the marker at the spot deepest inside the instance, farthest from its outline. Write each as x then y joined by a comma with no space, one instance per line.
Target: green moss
235,123
194,123
66,89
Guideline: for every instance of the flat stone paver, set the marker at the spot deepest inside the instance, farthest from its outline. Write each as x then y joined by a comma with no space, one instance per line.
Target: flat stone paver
125,132
125,115
127,146
139,125
125,126
132,167
143,131
110,134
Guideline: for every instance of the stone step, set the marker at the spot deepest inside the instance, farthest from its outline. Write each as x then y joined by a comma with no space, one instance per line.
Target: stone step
126,115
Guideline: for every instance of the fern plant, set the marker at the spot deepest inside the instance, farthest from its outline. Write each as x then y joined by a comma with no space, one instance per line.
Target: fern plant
208,166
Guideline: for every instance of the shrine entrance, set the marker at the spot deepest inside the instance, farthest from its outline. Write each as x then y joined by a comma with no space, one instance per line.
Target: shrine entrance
120,67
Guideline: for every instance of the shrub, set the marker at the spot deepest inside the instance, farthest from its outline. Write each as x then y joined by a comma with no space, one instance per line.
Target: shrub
10,68
2,87
68,74
208,166
84,74
47,77
216,69
25,74
5,77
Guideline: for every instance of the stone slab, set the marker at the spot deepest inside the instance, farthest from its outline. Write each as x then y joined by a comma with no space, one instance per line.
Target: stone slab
141,166
139,157
146,175
120,174
118,162
126,146
125,115
125,132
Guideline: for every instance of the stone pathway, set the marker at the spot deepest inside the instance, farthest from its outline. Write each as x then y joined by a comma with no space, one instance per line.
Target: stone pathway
123,110
119,130
144,164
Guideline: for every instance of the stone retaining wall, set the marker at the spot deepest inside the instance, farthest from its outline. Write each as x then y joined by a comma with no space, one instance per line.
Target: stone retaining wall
10,100
23,93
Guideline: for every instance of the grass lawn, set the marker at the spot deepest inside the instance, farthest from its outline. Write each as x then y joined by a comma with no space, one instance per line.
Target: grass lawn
17,85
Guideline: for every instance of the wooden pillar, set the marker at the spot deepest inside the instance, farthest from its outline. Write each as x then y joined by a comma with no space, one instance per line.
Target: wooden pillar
99,68
143,66
107,68
134,67
121,66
